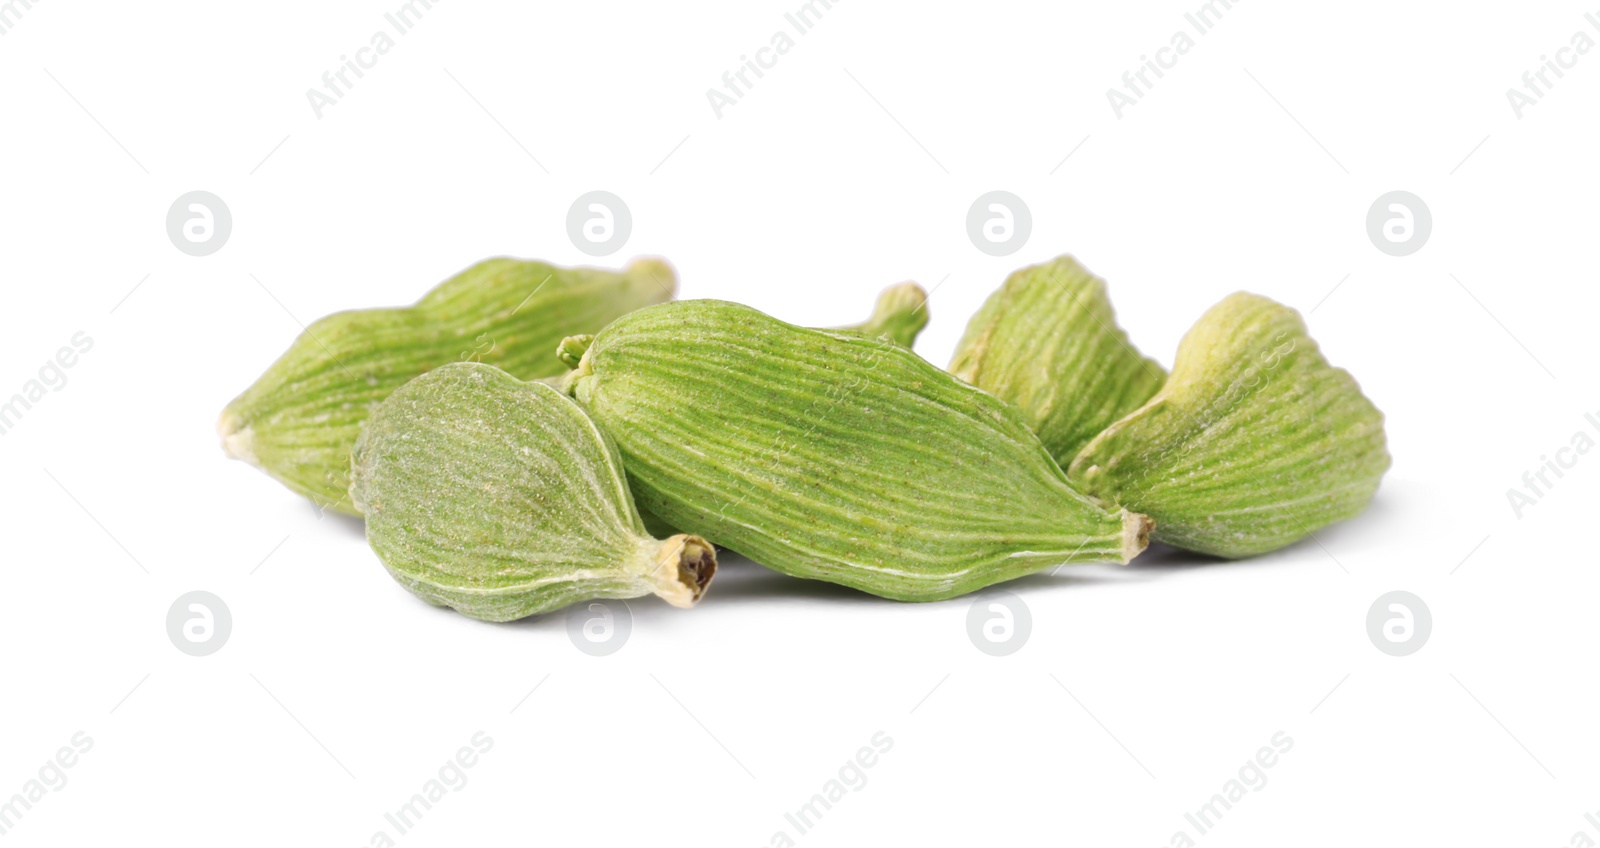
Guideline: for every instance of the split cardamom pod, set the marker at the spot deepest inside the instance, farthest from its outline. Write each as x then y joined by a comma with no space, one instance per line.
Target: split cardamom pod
834,456
1254,442
501,499
1047,342
300,419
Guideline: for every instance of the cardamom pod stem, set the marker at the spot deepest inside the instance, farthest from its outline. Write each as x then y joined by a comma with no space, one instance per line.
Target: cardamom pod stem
300,419
501,499
1253,443
1047,342
833,456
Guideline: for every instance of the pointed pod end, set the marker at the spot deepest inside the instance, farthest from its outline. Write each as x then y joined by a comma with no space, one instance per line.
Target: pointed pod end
683,570
907,299
1136,531
658,272
572,349
900,314
238,440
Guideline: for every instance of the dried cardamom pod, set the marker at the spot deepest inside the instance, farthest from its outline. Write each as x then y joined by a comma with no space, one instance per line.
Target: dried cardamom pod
501,499
1047,342
300,418
1254,442
899,315
834,456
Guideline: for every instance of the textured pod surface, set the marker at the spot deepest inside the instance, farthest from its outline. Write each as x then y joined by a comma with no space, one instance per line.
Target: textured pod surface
501,499
1047,342
899,314
834,456
1254,442
300,419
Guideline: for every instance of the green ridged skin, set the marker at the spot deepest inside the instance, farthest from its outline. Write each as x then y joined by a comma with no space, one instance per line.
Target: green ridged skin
899,315
834,456
1253,443
1047,342
501,499
300,419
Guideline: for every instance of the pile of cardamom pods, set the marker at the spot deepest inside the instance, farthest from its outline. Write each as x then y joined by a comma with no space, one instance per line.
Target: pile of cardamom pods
526,437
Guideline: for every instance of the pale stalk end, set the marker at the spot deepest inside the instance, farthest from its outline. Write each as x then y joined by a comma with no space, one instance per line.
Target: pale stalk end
1136,531
683,570
238,441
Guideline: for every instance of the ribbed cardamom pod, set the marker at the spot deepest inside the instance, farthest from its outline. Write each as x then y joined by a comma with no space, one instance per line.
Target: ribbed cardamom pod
501,499
300,418
834,456
1047,342
899,315
1254,442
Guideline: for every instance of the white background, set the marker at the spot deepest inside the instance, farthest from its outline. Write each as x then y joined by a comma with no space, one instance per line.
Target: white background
849,166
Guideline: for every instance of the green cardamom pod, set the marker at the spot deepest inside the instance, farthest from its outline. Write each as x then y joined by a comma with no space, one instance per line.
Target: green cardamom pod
501,499
834,456
1047,342
1254,442
899,316
300,419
